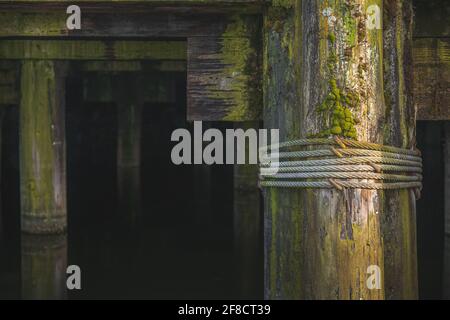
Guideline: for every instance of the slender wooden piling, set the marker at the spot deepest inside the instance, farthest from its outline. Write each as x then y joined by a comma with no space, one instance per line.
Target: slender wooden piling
129,107
42,147
320,244
128,96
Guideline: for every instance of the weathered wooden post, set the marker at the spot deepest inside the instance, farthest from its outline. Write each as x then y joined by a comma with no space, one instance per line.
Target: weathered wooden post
319,243
42,147
247,222
44,263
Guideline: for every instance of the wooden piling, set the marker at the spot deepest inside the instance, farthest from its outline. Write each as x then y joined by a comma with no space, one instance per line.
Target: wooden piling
129,106
128,96
320,243
42,147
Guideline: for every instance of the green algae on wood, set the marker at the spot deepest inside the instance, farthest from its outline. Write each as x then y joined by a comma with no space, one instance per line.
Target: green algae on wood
42,147
283,223
224,73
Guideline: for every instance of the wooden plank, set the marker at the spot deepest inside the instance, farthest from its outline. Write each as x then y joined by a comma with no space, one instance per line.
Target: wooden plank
92,50
223,80
33,21
432,78
155,2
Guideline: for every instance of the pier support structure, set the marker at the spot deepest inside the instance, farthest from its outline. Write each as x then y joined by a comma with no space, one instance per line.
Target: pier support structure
42,147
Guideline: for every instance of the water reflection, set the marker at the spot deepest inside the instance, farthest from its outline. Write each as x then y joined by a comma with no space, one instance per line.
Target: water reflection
44,264
129,194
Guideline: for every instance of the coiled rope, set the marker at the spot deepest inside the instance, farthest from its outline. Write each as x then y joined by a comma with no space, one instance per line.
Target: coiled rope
342,163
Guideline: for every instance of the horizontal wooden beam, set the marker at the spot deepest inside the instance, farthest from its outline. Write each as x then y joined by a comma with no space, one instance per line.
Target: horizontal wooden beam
133,66
156,2
120,22
92,50
432,78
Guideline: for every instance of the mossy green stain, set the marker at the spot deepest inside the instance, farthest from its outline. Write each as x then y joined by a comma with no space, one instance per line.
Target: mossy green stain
37,154
237,51
337,105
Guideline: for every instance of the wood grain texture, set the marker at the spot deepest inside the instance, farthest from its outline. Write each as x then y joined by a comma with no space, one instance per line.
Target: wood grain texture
223,80
432,78
113,21
319,243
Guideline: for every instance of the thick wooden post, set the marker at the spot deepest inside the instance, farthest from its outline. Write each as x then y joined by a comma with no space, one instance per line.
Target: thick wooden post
247,223
44,264
42,147
320,243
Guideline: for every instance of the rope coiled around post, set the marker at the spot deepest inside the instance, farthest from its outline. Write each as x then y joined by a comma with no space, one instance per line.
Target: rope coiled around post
340,163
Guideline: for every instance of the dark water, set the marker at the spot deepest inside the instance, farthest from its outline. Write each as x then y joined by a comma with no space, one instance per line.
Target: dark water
432,244
159,231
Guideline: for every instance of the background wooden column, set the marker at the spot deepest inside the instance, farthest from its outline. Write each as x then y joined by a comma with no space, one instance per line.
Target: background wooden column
128,95
42,147
319,243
